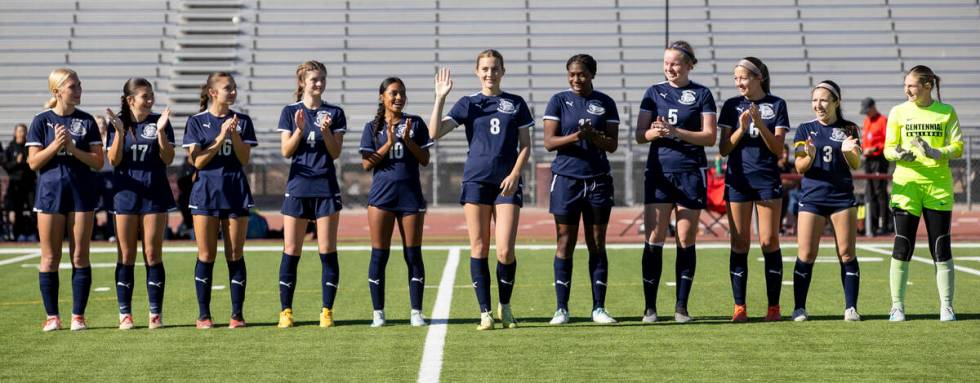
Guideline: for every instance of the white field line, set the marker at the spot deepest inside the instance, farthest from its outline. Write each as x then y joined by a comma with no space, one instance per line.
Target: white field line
431,365
19,259
825,259
920,259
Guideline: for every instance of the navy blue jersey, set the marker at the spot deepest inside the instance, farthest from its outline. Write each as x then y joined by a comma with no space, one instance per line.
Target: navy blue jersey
400,165
312,167
581,159
828,181
493,125
751,158
683,108
83,132
141,150
204,127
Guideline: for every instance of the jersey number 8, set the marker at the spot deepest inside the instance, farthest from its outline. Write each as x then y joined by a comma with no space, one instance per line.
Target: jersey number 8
494,125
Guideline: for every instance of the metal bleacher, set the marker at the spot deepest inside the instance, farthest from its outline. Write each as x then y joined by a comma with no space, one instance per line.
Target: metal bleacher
864,45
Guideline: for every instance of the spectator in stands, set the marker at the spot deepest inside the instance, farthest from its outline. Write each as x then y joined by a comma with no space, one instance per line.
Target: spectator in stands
141,147
219,142
63,147
20,187
394,145
498,133
922,136
873,146
827,150
582,125
312,133
677,117
753,128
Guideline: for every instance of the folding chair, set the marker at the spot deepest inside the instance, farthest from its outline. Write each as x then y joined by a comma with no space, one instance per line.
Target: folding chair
715,218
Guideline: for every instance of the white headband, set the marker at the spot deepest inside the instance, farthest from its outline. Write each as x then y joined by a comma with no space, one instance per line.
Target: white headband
751,67
828,87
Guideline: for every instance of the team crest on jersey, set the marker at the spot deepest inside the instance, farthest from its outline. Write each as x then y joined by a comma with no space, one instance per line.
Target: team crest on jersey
77,128
400,131
838,135
596,108
506,106
767,111
149,131
687,97
320,116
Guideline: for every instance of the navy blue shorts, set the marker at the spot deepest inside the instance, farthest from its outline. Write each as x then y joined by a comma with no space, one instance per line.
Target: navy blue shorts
310,207
489,194
221,213
687,189
825,210
744,192
134,196
570,196
62,196
402,198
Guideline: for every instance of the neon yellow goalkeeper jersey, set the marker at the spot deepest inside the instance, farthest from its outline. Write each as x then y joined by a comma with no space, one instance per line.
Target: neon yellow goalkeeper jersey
938,126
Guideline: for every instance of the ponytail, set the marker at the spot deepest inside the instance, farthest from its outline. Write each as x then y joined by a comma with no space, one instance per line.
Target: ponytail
129,90
207,86
926,76
302,69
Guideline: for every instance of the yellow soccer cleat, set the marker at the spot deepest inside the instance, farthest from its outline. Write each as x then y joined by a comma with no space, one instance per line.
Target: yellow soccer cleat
326,318
285,318
486,322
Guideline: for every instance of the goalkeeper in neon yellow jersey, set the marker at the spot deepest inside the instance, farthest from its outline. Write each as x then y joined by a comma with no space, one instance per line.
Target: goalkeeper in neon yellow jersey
922,136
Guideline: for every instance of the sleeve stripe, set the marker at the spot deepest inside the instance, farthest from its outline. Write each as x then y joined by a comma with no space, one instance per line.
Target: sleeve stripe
526,126
95,143
284,130
547,117
447,118
646,110
33,144
430,143
340,130
189,145
709,112
250,141
782,127
612,121
726,126
367,149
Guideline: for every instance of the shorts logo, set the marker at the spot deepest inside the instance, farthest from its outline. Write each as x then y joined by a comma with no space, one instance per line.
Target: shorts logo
506,106
838,135
77,128
687,97
320,116
149,131
767,111
596,108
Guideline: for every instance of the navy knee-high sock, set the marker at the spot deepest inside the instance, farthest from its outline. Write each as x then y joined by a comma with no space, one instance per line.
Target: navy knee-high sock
287,280
329,278
376,277
684,272
563,281
653,262
480,273
416,276
738,267
851,279
774,275
237,279
49,284
156,276
124,287
81,285
506,274
802,274
203,273
599,272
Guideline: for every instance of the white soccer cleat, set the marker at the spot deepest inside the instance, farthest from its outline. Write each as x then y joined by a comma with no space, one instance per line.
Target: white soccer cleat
125,321
600,315
506,316
78,323
486,321
52,323
379,318
416,319
560,317
946,314
156,321
649,316
896,314
851,315
681,316
800,315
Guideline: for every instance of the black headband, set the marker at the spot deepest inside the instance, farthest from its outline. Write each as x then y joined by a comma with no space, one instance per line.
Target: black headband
686,52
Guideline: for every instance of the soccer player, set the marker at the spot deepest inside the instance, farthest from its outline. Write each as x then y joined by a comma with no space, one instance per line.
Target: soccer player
827,149
63,147
219,142
582,124
753,128
923,134
312,134
497,131
677,117
393,145
141,146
